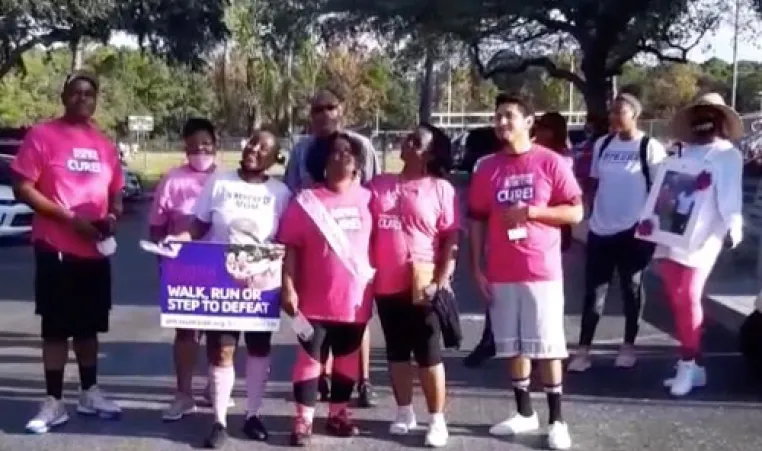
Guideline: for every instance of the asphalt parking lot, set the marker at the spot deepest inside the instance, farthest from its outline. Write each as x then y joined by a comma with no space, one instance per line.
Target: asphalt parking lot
608,409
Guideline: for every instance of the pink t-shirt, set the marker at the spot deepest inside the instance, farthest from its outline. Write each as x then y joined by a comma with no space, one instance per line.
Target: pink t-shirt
78,168
175,198
410,217
325,286
538,177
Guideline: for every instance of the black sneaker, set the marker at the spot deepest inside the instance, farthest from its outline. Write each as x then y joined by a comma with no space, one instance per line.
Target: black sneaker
324,387
365,395
217,437
481,353
255,430
301,435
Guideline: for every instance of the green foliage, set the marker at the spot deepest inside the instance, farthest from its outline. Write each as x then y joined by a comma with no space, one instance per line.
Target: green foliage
181,30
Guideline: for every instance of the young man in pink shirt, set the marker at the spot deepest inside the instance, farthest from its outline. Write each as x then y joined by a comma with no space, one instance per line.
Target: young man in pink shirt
518,200
70,174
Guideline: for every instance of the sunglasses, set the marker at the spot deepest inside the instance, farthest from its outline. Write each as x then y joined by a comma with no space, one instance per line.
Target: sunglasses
317,109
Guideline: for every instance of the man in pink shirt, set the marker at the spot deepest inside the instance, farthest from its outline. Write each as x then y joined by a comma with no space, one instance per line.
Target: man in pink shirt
70,174
519,198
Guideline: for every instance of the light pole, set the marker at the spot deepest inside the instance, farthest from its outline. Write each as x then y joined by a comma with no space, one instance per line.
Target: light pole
571,88
735,54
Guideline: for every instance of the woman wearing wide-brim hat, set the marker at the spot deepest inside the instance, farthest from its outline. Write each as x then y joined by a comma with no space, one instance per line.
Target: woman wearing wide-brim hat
706,127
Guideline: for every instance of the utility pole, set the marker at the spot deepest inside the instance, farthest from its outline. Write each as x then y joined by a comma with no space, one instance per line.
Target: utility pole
734,91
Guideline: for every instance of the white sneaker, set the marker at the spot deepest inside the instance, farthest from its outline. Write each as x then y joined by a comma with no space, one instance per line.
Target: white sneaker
580,362
626,357
558,436
403,423
689,376
181,406
437,435
208,397
52,413
92,402
516,425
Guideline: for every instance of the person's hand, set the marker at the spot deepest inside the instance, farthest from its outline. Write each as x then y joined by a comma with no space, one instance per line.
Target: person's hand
515,215
85,229
483,284
289,302
106,226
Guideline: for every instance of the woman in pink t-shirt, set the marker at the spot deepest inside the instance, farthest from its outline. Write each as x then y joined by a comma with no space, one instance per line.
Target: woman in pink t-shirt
172,213
414,247
327,281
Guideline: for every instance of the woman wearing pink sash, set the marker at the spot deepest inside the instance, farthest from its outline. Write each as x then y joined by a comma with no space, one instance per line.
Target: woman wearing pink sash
414,248
326,279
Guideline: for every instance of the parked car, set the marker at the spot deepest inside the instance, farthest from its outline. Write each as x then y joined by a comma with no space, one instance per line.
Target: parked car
133,187
15,217
470,146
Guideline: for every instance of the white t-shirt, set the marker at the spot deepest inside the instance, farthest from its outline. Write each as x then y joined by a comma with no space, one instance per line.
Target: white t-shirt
241,212
622,190
684,202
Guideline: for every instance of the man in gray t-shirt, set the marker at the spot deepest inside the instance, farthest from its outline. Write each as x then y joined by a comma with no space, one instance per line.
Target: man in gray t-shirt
325,118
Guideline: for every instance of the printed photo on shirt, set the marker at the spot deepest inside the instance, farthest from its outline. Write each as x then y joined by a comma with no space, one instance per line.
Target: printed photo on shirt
673,205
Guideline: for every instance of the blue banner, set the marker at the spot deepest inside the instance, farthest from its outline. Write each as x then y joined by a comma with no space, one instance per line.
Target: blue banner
215,286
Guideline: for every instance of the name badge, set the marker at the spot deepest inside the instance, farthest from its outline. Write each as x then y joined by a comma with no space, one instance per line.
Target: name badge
516,234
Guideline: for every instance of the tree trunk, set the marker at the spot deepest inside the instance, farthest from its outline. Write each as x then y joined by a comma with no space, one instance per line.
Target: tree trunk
597,93
75,46
427,84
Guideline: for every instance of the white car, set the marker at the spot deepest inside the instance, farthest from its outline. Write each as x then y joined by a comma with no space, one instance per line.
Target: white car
15,217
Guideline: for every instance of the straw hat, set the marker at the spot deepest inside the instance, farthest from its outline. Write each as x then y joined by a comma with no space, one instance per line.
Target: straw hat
731,124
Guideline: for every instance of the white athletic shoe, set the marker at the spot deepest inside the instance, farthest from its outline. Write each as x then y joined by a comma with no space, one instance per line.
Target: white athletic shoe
52,413
688,376
93,402
516,425
558,436
437,435
580,362
181,406
403,423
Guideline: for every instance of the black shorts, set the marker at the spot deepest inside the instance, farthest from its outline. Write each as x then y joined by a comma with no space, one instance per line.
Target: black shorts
257,343
72,294
410,330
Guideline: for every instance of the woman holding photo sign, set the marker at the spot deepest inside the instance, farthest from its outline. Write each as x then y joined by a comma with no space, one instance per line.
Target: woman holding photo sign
326,283
706,127
241,207
171,213
415,245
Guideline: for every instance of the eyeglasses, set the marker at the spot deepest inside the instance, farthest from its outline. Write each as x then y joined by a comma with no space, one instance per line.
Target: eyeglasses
317,109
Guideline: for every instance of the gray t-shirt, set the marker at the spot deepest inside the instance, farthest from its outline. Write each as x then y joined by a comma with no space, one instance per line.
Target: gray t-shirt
297,176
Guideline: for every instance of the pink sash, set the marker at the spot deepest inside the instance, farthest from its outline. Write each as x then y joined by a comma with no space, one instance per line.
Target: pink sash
360,270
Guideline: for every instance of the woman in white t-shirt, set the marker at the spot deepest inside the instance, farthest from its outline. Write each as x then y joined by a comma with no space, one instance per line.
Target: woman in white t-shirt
241,207
621,169
706,127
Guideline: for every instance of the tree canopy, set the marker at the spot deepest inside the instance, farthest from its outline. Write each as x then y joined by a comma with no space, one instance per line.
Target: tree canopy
161,25
511,36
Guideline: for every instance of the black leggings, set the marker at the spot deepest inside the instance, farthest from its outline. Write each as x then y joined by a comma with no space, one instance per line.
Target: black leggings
628,256
409,329
343,340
